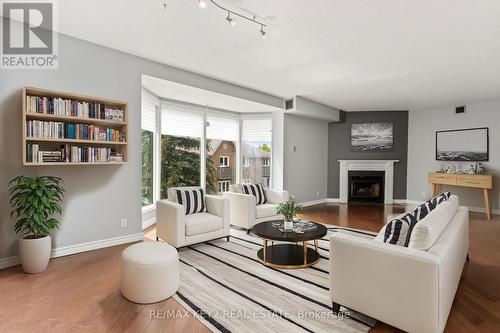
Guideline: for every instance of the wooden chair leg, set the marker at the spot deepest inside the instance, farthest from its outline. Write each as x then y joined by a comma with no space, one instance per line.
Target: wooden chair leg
157,238
335,307
227,237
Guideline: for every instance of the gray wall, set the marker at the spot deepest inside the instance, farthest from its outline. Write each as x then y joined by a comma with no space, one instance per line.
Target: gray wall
305,170
423,125
97,197
339,147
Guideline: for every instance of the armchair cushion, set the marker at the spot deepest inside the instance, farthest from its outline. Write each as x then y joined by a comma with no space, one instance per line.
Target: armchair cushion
257,191
265,210
192,198
201,223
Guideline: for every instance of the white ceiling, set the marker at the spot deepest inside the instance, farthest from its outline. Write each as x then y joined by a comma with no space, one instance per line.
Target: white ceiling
350,54
193,95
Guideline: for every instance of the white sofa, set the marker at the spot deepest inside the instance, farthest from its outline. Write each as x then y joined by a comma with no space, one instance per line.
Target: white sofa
178,229
243,211
411,288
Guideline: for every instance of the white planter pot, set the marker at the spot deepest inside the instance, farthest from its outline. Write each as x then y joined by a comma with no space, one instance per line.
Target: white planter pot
35,254
288,225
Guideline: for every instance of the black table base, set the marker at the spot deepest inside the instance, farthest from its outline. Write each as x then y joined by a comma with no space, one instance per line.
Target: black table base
288,256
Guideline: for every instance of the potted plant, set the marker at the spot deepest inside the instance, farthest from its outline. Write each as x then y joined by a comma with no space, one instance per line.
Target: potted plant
34,201
288,209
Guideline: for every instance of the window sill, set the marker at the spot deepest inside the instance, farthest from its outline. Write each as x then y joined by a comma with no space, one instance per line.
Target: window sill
148,208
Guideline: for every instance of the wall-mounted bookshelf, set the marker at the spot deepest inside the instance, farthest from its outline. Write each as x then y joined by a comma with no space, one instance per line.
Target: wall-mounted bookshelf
61,128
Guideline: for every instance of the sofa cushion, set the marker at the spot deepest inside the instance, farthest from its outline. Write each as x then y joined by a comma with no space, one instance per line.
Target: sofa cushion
427,231
257,191
422,210
265,210
397,231
193,199
201,223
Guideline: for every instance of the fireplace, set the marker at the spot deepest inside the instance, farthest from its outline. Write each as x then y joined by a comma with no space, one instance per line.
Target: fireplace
366,186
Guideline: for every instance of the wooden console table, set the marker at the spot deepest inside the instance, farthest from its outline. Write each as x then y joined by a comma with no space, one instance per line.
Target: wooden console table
465,180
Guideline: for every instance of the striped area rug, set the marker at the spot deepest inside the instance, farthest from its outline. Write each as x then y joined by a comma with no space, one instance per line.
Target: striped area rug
226,287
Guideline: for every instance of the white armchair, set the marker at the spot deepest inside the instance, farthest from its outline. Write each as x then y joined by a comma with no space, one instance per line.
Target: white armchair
178,229
243,211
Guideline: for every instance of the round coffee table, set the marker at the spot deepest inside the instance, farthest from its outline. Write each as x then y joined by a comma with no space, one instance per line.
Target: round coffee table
289,254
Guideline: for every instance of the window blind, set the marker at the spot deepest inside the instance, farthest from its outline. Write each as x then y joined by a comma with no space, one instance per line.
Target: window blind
148,112
181,120
222,128
256,129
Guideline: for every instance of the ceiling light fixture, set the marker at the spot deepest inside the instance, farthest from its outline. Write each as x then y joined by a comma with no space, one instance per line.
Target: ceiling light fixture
231,20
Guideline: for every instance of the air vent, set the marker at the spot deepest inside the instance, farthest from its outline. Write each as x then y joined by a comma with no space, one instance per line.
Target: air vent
289,104
460,109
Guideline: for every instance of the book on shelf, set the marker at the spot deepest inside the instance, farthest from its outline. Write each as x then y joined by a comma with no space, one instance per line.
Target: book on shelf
72,108
60,130
68,154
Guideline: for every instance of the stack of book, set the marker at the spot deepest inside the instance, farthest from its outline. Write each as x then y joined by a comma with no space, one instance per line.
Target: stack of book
67,153
59,130
116,156
65,107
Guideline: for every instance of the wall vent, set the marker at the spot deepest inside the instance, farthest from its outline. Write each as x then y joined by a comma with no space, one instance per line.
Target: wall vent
460,109
289,104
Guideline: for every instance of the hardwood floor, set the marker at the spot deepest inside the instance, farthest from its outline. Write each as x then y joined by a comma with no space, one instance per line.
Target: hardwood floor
80,293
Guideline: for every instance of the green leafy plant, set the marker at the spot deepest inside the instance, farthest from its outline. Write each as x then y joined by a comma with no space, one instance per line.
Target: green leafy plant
34,200
288,209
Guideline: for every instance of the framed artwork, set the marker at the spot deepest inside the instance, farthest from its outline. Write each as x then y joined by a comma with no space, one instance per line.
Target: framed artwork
372,137
471,144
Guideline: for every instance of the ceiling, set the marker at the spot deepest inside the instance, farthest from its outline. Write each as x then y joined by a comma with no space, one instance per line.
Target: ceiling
354,55
193,95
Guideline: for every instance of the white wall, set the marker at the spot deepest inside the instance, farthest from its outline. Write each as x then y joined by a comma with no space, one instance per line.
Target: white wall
97,197
423,125
277,150
306,169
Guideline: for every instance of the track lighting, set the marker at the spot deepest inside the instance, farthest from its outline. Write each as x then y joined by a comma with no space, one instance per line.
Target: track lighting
202,3
229,19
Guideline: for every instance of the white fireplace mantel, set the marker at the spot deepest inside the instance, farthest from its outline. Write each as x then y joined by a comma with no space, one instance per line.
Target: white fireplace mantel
367,165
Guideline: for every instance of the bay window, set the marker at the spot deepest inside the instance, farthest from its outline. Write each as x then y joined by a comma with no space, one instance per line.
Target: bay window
256,143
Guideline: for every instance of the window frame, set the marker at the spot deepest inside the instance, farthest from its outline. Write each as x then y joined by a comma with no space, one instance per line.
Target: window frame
224,158
227,183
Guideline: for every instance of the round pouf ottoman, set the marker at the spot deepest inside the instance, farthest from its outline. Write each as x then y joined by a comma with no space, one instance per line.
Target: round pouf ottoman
150,272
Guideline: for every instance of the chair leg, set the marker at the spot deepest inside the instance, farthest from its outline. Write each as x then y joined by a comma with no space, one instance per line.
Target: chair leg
467,258
227,237
335,307
248,231
157,238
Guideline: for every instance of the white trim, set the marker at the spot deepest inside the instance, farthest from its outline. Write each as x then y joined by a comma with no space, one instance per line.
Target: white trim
148,223
148,208
79,248
332,200
313,202
367,165
472,209
224,158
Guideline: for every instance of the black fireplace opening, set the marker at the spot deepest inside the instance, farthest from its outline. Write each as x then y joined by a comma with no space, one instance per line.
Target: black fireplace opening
366,186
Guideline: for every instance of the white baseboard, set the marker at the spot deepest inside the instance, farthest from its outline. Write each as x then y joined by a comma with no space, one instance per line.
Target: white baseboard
78,248
472,209
148,223
333,200
313,202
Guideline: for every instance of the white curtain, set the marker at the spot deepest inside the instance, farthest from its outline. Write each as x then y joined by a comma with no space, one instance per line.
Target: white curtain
179,120
148,112
222,127
256,129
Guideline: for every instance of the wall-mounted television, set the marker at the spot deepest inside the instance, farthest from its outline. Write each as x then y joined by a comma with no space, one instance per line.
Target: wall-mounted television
470,144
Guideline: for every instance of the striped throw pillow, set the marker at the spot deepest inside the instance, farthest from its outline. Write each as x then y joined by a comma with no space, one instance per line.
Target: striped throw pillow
424,209
257,191
192,200
397,231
